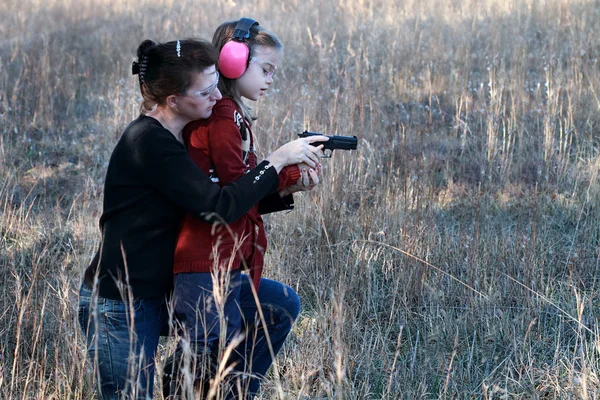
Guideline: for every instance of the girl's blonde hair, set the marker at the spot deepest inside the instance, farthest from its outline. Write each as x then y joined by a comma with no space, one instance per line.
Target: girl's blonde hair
258,37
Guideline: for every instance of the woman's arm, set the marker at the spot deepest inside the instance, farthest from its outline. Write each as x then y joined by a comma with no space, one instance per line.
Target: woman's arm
275,202
165,164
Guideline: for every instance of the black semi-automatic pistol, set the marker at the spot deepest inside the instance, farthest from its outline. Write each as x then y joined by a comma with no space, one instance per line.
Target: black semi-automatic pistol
335,142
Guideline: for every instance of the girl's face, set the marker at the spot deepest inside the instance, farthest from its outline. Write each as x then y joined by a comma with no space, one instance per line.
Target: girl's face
198,101
259,75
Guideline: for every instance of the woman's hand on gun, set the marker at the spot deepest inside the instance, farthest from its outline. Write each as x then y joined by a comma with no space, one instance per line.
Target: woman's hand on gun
298,151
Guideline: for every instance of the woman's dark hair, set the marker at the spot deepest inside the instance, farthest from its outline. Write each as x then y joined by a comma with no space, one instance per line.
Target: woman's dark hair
258,37
166,69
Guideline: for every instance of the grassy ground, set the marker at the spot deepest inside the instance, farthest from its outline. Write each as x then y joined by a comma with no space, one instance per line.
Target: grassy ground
454,255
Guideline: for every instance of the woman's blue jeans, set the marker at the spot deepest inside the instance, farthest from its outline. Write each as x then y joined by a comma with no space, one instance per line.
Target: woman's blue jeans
196,311
121,342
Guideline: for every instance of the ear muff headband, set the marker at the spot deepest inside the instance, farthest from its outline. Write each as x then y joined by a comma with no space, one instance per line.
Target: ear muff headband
242,29
233,58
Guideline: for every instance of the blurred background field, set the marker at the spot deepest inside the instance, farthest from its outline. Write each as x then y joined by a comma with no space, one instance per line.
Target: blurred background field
454,255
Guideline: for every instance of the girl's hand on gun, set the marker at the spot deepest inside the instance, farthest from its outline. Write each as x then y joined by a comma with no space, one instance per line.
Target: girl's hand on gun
309,178
298,151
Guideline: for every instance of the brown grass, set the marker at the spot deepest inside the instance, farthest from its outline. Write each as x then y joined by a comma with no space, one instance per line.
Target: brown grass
454,255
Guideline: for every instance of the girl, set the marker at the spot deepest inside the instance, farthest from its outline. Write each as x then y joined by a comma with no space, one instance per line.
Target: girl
223,147
150,183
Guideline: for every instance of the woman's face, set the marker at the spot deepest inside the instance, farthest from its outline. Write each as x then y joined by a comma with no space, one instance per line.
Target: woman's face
198,101
259,75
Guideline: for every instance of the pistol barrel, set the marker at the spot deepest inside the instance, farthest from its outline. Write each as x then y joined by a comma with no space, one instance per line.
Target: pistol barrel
335,142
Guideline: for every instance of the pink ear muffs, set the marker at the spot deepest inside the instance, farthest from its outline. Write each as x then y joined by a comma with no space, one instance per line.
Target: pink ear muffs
233,58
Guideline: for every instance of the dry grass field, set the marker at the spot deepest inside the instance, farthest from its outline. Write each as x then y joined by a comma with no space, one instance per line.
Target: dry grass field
455,255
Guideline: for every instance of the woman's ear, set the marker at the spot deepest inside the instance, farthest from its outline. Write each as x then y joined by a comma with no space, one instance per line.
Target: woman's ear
172,101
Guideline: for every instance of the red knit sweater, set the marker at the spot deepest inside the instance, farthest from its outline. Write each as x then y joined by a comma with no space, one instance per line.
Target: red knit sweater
215,145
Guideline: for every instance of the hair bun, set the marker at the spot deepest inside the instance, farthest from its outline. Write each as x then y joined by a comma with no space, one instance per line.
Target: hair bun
144,47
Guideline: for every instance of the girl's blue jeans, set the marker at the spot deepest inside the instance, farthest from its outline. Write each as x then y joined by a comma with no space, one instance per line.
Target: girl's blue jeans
198,312
122,338
121,342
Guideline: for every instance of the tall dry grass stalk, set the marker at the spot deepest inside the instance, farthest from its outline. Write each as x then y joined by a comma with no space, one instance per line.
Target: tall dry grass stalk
478,155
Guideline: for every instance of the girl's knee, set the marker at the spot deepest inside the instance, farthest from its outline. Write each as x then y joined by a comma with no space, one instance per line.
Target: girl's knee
292,303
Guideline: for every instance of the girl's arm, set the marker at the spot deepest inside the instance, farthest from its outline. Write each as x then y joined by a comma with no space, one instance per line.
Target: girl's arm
283,199
225,146
224,141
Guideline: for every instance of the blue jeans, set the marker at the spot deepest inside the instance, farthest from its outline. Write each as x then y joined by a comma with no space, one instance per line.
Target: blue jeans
121,342
195,309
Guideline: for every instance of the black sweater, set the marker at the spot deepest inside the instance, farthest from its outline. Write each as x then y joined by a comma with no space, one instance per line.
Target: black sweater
151,182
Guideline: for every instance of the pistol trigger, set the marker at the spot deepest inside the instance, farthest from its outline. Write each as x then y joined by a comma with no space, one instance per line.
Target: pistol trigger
327,153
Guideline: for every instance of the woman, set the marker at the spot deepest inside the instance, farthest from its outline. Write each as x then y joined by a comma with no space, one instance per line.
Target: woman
150,183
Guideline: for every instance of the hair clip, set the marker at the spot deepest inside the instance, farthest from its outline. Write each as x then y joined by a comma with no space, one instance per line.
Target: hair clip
141,68
135,68
178,49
